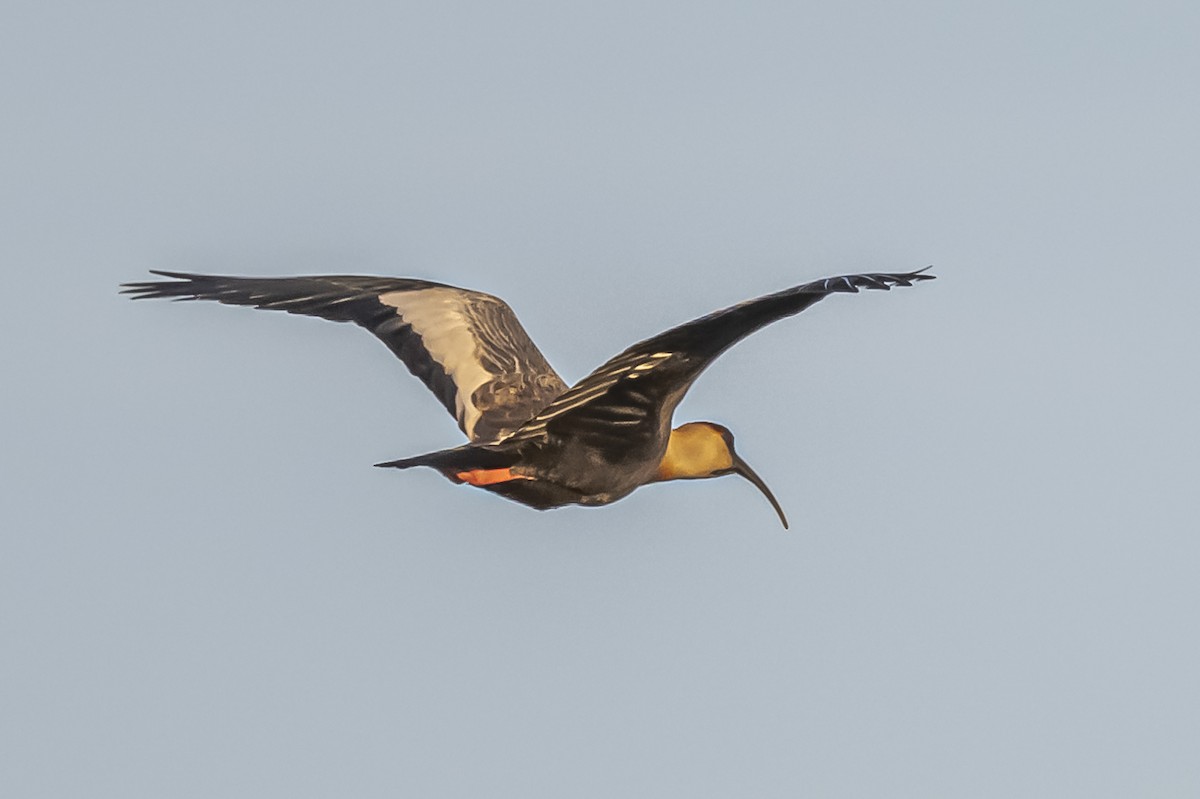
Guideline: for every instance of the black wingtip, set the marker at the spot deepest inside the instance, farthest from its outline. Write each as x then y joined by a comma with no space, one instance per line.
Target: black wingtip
142,289
920,274
179,286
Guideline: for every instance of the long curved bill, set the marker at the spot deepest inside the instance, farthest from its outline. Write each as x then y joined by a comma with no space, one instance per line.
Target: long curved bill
743,468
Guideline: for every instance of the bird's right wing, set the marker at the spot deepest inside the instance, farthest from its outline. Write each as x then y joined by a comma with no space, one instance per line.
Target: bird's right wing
466,346
629,395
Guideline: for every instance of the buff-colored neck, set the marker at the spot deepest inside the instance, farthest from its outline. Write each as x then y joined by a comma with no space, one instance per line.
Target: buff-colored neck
694,450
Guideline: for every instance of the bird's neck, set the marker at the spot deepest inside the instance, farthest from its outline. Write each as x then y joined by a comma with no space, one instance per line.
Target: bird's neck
694,450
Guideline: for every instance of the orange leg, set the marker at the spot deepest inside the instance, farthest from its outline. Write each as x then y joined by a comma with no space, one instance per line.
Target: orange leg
487,477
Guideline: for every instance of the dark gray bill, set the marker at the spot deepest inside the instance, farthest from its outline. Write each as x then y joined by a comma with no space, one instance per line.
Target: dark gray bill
743,468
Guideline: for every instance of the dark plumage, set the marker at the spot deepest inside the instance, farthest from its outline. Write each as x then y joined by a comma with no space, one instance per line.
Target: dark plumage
532,439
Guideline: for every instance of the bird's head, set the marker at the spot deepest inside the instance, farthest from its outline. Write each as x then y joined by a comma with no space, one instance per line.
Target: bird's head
705,449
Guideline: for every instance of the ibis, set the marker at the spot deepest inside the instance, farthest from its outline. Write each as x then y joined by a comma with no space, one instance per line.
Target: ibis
531,437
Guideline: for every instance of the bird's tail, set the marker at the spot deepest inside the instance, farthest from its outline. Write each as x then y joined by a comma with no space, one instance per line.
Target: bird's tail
458,459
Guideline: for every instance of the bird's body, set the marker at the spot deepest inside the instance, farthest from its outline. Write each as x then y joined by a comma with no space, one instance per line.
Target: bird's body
531,438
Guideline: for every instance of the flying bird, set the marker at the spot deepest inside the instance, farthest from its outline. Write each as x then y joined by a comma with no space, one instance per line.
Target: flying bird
531,437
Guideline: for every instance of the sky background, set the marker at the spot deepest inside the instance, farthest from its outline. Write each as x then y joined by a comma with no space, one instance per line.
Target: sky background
990,586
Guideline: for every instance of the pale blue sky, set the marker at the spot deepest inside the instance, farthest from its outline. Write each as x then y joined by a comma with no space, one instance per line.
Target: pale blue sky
990,586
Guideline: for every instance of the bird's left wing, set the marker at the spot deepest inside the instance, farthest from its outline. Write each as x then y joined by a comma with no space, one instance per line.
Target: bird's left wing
466,346
629,396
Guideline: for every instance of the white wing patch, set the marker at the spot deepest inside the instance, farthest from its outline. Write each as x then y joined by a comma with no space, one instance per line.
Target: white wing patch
438,316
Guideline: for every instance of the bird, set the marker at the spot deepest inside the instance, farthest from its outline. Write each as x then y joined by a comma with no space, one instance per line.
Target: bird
532,438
